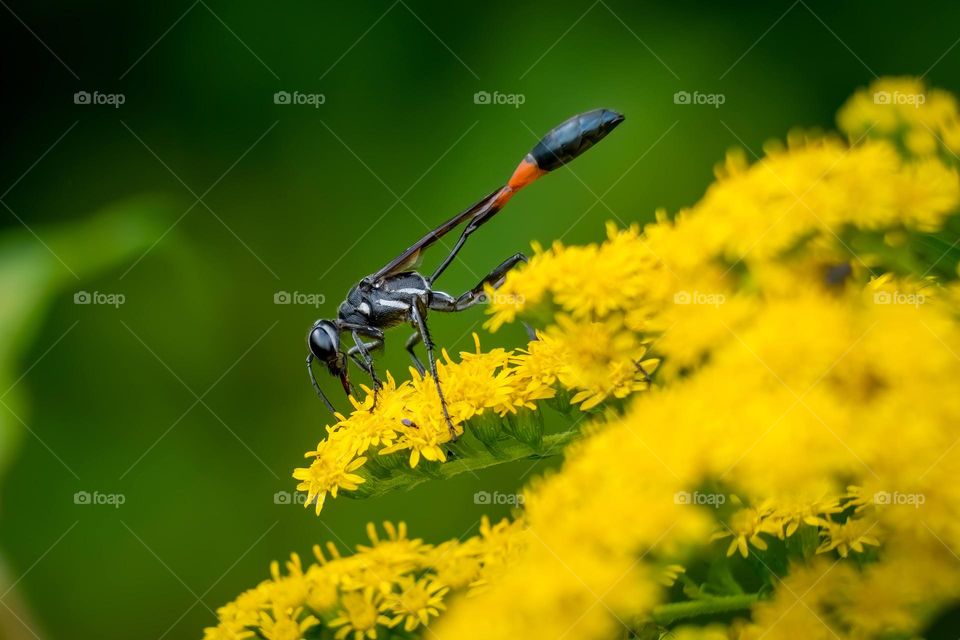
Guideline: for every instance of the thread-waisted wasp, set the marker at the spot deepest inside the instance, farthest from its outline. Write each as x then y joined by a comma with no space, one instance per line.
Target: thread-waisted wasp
398,294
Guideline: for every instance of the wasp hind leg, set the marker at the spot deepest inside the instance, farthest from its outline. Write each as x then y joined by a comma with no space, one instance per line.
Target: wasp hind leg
418,313
412,342
440,301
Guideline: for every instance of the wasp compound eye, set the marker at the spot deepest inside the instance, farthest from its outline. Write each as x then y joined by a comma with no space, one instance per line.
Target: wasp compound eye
324,342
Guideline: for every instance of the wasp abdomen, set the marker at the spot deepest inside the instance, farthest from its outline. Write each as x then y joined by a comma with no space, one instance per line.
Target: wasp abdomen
571,138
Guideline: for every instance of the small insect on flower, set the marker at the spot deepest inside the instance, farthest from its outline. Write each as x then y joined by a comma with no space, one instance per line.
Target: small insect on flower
398,294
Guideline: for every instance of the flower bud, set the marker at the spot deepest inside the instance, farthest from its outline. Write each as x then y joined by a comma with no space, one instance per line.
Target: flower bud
487,427
527,426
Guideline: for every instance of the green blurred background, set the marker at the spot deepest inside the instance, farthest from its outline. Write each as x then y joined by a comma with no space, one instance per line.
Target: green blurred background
190,399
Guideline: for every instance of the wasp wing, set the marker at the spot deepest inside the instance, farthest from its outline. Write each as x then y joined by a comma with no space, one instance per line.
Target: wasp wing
561,145
409,258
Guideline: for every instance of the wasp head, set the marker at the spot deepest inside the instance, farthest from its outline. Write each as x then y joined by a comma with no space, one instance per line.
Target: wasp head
324,343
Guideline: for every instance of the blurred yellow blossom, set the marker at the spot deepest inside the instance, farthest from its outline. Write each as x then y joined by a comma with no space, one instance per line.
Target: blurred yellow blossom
393,582
803,319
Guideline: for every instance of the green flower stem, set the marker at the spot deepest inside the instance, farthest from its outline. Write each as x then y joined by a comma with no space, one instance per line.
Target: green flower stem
668,613
507,450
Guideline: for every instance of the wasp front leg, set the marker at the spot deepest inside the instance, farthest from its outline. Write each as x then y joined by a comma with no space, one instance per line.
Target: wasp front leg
365,361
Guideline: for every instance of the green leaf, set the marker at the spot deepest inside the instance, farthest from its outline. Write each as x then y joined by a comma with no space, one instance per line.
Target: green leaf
36,270
507,450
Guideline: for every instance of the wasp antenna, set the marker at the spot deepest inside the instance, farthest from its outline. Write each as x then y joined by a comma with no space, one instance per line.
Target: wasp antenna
316,386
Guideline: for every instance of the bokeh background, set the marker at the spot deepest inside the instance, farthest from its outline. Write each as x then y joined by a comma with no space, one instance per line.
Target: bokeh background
200,198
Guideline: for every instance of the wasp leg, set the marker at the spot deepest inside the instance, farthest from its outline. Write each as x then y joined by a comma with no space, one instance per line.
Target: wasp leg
418,312
482,216
641,370
316,386
412,342
362,329
357,360
440,301
531,332
362,348
472,226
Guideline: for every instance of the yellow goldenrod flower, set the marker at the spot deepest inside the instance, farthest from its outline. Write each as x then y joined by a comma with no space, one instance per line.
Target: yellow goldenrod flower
788,513
284,625
358,617
798,608
331,470
409,420
322,590
382,564
601,360
925,121
457,564
745,526
415,603
847,536
670,574
393,581
422,439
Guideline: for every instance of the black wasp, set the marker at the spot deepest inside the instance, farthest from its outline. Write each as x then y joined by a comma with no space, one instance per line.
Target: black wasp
398,294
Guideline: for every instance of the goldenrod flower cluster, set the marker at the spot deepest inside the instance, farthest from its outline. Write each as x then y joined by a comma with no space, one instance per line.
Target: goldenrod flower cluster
923,122
792,470
588,359
808,427
395,584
